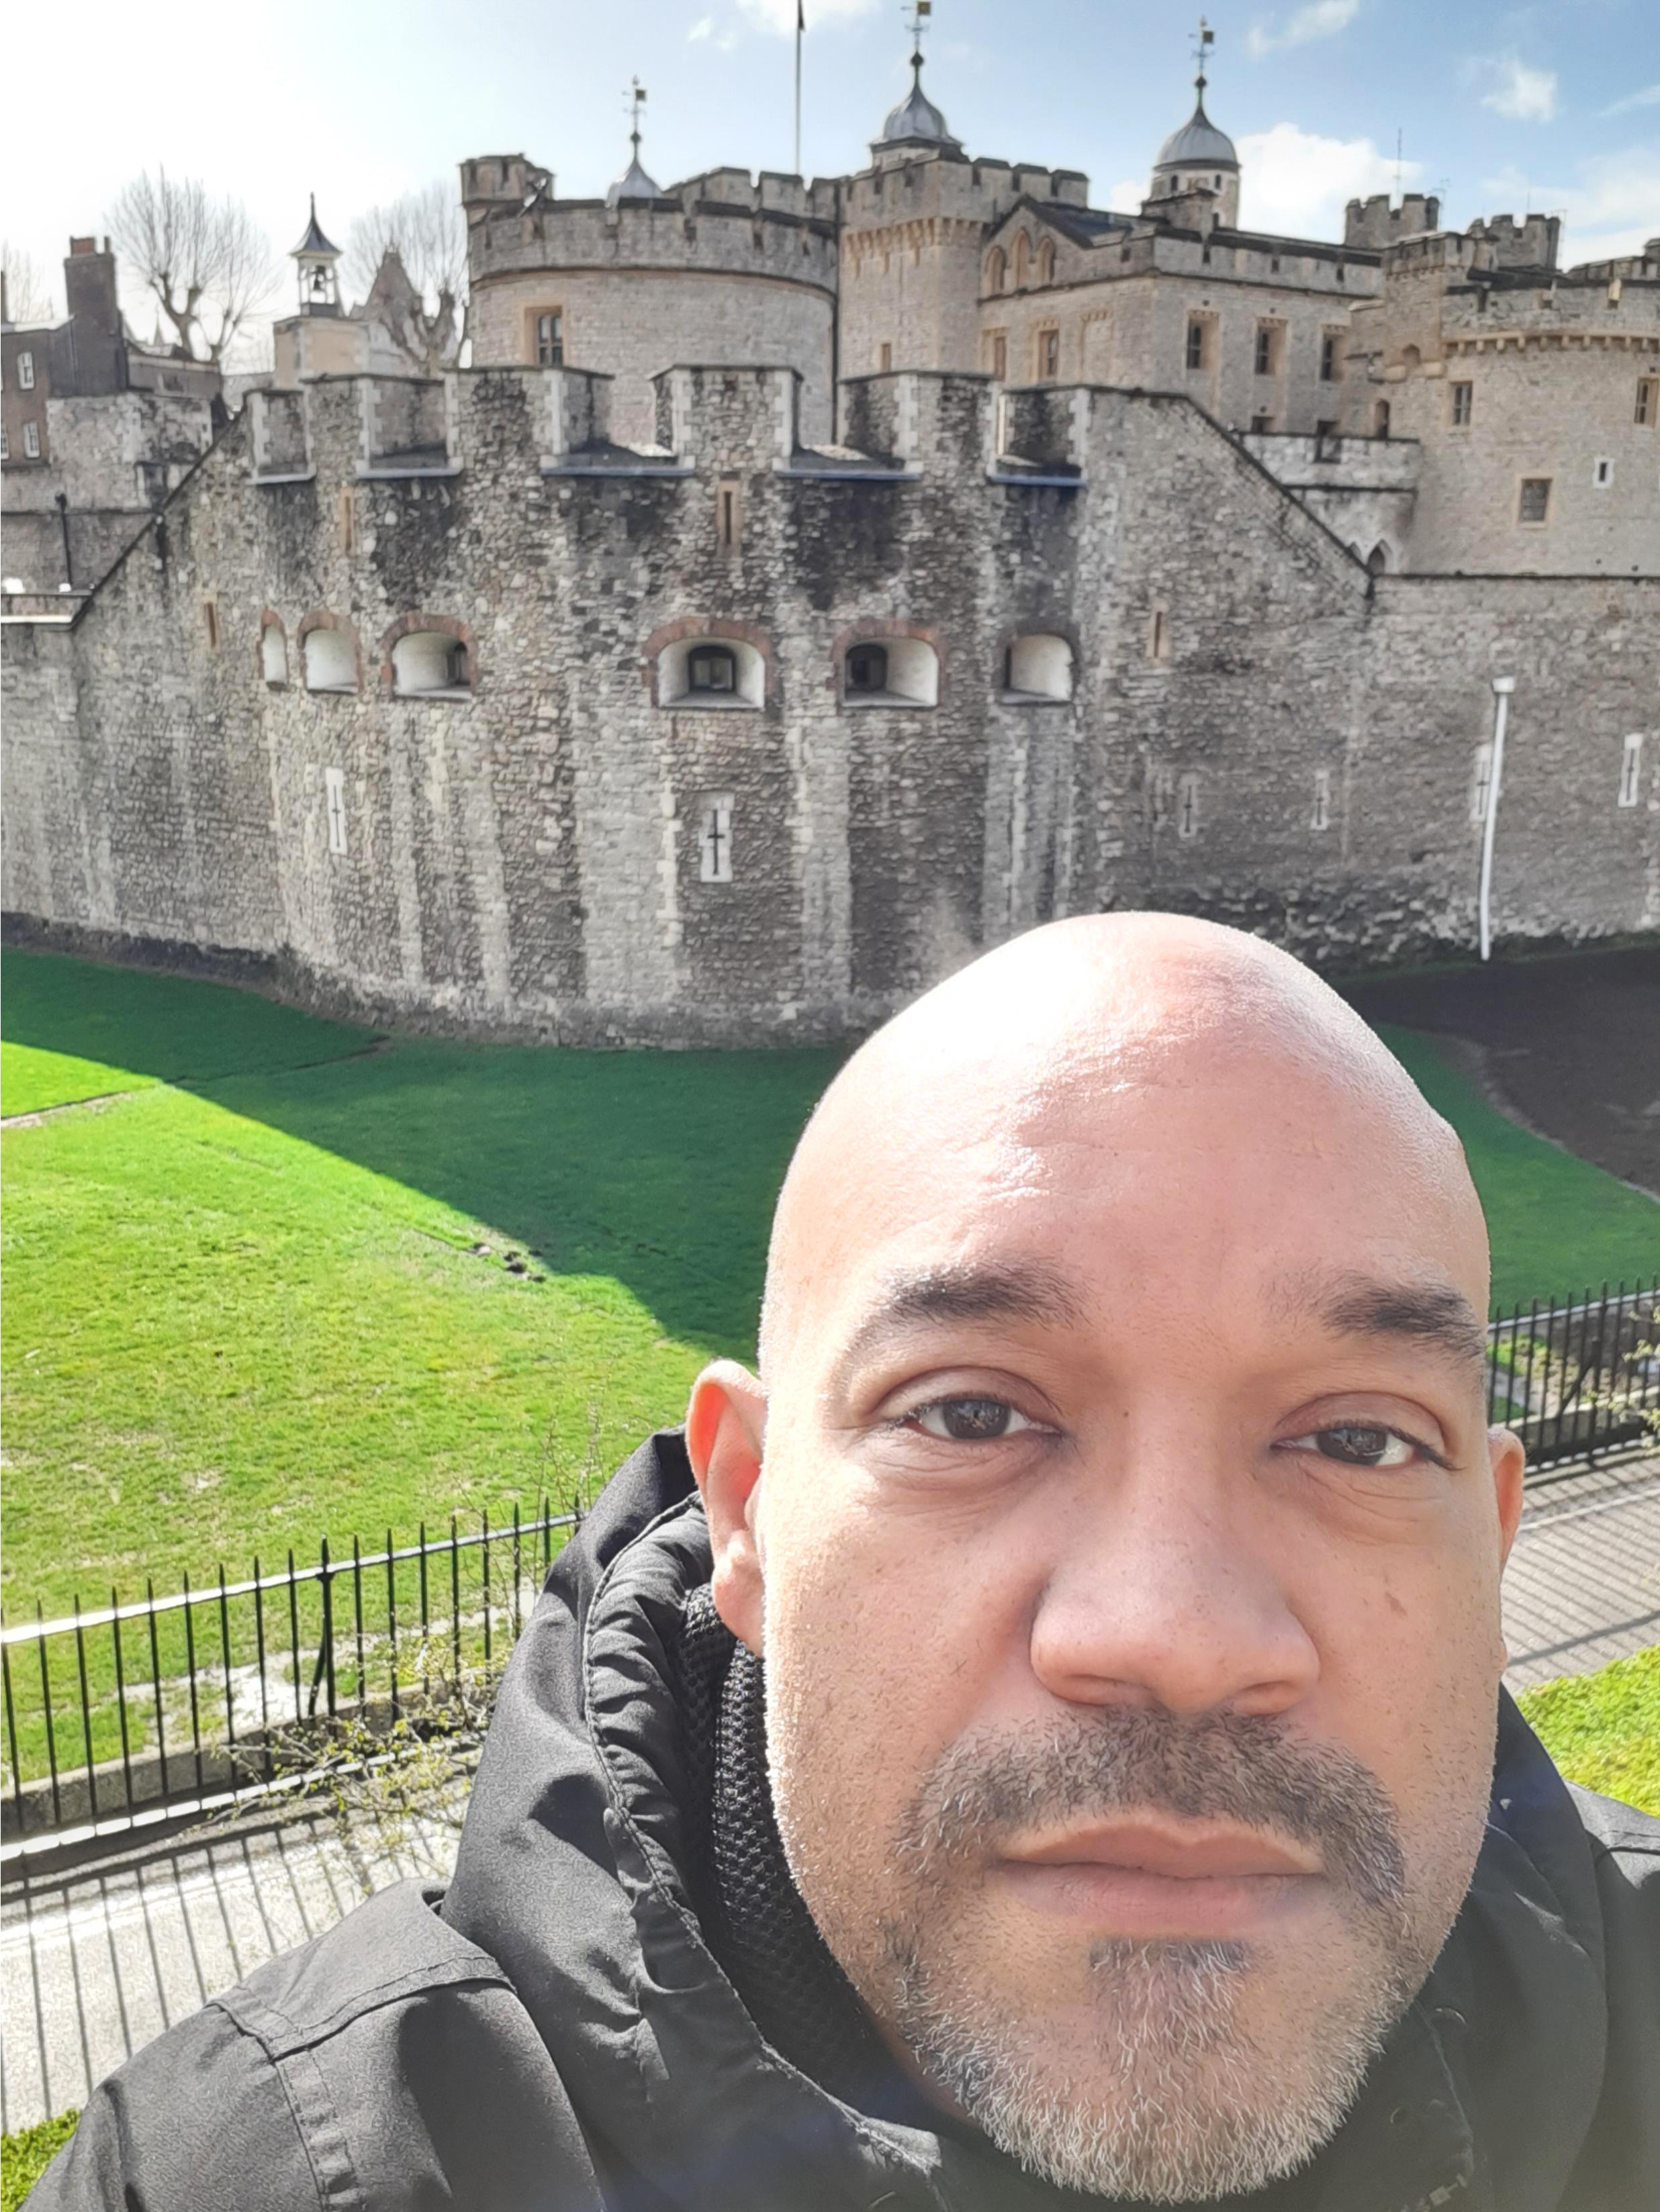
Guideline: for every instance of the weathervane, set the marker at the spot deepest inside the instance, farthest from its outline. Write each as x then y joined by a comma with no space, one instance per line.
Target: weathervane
921,11
1204,41
635,96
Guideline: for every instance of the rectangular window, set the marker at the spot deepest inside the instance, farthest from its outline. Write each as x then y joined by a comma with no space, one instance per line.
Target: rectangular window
997,355
725,513
210,624
885,355
1262,424
1322,817
1480,784
5,444
1163,785
1533,503
1631,769
714,838
1602,474
25,372
1268,349
32,440
348,520
334,792
1049,355
1331,357
1196,341
1158,636
1648,401
1463,405
550,339
1187,806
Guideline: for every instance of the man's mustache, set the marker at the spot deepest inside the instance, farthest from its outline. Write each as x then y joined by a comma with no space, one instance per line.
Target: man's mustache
993,1784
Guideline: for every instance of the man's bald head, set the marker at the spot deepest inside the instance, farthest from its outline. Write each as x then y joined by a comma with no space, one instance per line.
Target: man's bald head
1083,1016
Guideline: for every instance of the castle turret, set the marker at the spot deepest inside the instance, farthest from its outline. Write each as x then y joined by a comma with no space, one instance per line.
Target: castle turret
315,258
1200,158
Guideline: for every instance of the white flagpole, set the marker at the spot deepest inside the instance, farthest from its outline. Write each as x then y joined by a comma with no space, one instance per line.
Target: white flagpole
800,25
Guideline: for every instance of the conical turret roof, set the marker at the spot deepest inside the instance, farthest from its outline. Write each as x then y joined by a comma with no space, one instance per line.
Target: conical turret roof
314,241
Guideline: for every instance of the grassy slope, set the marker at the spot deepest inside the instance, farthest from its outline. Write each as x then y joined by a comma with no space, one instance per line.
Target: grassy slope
244,1312
25,2156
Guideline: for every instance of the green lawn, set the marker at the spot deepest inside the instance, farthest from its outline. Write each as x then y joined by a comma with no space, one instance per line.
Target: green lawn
25,2156
245,1307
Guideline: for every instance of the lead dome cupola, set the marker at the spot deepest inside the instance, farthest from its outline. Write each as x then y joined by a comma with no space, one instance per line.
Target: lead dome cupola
916,121
1197,145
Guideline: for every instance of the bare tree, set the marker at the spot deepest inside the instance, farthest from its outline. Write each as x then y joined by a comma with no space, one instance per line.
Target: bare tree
28,295
207,262
425,229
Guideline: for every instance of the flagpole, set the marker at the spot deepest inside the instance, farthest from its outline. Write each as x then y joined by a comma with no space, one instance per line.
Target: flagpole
800,25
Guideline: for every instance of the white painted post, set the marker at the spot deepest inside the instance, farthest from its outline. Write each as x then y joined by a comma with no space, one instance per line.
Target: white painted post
1502,687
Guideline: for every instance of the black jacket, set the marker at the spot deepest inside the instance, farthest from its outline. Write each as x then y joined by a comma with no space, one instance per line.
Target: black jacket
556,2035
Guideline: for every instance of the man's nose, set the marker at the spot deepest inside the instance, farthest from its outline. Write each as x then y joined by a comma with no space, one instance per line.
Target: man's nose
1170,1588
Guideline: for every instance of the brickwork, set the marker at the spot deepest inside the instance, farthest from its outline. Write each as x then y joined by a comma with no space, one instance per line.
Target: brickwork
523,857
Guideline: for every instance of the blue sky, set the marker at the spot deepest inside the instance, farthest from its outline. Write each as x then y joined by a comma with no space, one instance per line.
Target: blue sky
1554,107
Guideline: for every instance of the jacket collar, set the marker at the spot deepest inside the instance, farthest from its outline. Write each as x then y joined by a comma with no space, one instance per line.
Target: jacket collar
570,1872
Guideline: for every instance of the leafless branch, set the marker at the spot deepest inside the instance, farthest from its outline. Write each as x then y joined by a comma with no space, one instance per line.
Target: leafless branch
28,294
208,263
427,316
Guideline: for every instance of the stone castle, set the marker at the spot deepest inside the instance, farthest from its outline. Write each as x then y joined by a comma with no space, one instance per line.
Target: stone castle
810,584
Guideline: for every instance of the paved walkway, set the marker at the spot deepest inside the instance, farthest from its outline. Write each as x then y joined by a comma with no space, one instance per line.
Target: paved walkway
95,1962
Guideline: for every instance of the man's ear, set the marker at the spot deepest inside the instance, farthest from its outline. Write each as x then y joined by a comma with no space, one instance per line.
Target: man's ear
726,1425
1508,1459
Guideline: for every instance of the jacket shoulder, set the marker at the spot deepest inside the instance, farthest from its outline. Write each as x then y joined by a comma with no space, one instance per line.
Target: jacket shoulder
1621,1829
387,2062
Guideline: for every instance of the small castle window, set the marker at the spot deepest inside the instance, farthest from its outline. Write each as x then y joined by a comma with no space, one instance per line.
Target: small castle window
1159,638
997,355
5,443
867,668
32,442
997,269
714,838
334,795
274,655
1380,419
1046,263
1463,405
1602,474
1196,341
1266,349
896,671
1321,819
25,372
1631,769
430,664
1261,425
1648,401
1022,260
550,339
1331,358
885,356
712,668
1377,561
726,513
1533,501
1037,665
1048,353
1187,806
210,624
329,661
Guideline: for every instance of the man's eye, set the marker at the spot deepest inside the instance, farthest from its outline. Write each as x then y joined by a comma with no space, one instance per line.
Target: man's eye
1359,1444
968,1420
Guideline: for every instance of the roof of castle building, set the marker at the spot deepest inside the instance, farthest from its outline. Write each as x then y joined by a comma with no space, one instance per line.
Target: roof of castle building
916,121
1197,144
314,241
634,185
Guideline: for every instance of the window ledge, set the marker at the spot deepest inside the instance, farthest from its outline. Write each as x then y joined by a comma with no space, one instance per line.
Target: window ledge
438,691
698,702
333,690
370,472
1033,698
284,476
862,699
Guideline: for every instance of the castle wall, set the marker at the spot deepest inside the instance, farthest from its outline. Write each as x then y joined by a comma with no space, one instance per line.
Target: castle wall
1257,730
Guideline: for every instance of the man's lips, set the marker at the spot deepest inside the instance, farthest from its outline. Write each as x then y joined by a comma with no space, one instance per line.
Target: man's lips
1146,1877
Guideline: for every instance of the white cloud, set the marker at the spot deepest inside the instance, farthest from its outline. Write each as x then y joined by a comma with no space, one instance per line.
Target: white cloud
1322,18
779,15
1127,195
703,28
1608,212
1521,94
1297,183
1649,97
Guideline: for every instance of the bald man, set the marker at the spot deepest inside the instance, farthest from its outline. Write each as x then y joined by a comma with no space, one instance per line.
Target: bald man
1040,1742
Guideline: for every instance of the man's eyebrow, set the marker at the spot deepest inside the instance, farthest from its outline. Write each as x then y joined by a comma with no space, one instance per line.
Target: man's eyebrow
1017,1291
1433,1314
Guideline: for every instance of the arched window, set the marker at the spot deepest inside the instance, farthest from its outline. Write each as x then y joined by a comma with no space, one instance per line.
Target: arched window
1037,665
330,663
710,672
1380,419
997,269
1022,259
1378,559
867,668
274,655
430,663
1046,262
892,672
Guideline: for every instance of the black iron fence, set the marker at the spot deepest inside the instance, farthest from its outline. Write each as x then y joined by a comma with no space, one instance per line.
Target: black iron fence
124,1715
150,1711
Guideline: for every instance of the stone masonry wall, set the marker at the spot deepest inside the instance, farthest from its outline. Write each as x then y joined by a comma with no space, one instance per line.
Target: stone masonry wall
1257,729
